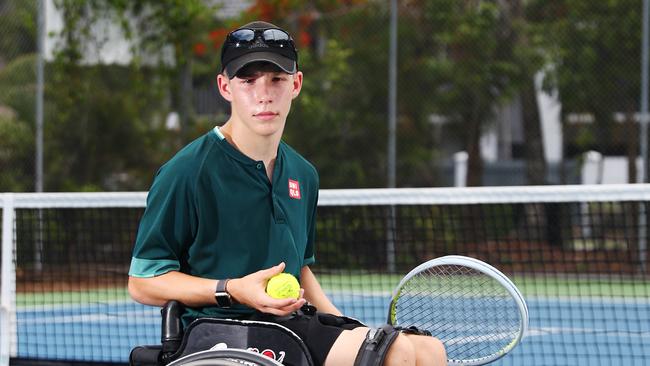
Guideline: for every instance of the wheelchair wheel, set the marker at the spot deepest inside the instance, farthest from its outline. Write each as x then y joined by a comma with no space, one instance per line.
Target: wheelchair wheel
225,357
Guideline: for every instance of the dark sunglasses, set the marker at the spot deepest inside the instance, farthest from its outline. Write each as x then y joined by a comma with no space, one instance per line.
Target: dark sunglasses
272,37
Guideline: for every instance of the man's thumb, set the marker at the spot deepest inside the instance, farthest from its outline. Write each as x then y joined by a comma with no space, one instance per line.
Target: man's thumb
270,272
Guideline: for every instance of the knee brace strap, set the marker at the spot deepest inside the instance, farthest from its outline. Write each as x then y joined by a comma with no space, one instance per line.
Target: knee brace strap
375,347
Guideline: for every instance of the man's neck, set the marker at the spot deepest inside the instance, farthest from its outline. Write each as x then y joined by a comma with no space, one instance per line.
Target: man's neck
259,148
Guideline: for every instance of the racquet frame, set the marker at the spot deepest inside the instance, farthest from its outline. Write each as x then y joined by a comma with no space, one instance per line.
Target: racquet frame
480,266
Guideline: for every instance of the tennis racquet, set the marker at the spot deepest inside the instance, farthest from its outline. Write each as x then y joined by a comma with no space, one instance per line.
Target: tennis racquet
473,308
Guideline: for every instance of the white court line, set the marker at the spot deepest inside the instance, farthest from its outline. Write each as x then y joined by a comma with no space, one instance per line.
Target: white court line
121,317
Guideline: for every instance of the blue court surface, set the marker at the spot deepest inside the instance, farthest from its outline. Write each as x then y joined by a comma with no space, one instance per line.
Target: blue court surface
617,332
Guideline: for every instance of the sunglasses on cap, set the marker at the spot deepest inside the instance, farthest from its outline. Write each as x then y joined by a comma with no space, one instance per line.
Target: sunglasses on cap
273,37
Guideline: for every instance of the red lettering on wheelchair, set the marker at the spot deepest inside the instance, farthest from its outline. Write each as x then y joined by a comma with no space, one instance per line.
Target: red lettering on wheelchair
270,354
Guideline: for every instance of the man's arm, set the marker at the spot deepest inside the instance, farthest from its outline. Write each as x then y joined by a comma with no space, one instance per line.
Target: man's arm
196,291
314,293
190,290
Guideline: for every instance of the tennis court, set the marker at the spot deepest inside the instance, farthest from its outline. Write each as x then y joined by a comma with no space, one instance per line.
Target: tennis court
577,253
97,332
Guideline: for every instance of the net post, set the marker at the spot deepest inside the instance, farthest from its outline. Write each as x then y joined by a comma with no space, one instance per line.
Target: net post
7,286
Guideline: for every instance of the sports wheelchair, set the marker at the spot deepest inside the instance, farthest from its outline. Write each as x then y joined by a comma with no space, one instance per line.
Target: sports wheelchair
228,342
211,341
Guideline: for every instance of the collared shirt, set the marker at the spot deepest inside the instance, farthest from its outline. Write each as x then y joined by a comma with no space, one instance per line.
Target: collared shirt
212,212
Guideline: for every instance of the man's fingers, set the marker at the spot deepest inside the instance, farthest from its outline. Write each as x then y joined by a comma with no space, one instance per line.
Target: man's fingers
284,306
279,303
272,271
285,310
275,311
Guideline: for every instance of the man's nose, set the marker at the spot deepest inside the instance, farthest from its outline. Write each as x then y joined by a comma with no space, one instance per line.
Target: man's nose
263,90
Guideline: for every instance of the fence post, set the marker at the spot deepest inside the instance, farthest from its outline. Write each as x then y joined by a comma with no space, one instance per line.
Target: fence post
7,293
460,169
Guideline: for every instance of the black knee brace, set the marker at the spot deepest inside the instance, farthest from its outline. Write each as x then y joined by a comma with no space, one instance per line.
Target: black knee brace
375,347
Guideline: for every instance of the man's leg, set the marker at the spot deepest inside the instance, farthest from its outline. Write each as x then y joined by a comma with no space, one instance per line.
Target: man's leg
428,350
347,345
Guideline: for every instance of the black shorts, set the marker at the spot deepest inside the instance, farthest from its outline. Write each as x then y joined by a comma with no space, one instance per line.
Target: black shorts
317,330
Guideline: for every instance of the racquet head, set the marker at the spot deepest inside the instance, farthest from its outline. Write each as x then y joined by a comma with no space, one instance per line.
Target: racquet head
473,308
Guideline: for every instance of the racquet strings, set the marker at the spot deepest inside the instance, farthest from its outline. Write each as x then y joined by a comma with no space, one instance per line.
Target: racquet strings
470,312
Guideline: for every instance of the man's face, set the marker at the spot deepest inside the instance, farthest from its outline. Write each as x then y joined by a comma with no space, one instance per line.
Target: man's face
261,98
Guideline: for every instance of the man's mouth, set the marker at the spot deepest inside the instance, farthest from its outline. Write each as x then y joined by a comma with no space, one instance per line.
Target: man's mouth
266,115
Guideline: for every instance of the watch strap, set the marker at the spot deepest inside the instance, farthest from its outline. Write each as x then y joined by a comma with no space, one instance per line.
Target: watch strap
221,295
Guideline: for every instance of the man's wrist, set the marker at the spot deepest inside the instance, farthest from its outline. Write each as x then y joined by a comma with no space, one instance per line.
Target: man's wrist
221,295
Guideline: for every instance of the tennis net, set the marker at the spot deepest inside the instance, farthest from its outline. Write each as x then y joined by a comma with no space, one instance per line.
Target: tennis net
578,253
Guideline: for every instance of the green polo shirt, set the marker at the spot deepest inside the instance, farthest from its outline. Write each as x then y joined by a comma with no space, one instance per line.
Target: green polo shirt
212,212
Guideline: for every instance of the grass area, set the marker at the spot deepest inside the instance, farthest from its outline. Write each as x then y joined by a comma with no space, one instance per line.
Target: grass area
530,286
371,283
541,286
72,297
538,286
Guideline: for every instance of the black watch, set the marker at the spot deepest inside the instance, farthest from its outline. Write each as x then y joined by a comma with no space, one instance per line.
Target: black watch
221,295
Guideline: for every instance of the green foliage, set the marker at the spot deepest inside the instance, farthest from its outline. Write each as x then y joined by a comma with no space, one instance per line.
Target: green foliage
458,59
18,32
17,86
103,131
471,67
105,128
595,48
15,152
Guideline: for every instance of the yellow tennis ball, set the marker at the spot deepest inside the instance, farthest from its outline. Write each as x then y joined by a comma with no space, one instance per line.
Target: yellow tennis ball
283,286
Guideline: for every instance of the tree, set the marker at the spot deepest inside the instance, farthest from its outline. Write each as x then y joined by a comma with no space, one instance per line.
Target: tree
18,34
595,52
15,152
472,71
526,52
105,127
17,84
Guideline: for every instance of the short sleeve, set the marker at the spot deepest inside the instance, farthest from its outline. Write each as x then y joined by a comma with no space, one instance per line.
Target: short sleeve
167,225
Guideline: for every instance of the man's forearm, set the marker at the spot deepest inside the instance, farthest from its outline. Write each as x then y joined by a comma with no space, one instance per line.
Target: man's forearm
314,293
156,291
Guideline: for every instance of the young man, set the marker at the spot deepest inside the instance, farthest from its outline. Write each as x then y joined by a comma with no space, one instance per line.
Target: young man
238,205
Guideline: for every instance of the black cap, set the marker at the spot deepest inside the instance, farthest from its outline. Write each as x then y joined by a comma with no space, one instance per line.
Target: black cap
235,58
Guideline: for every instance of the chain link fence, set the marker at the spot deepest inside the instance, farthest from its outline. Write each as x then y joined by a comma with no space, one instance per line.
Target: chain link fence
507,92
17,94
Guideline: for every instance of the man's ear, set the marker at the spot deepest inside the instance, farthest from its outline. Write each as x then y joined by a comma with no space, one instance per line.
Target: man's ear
223,84
297,83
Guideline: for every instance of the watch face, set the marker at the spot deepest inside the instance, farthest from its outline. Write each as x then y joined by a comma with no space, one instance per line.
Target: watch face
223,299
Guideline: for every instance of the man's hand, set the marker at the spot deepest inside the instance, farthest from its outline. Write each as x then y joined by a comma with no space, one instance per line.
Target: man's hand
251,291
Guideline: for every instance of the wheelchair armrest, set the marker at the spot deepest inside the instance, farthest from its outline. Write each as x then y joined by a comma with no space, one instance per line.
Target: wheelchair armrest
171,337
145,356
171,334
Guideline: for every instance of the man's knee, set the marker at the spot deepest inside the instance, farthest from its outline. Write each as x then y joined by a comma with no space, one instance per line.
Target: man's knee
438,349
401,352
429,350
385,346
